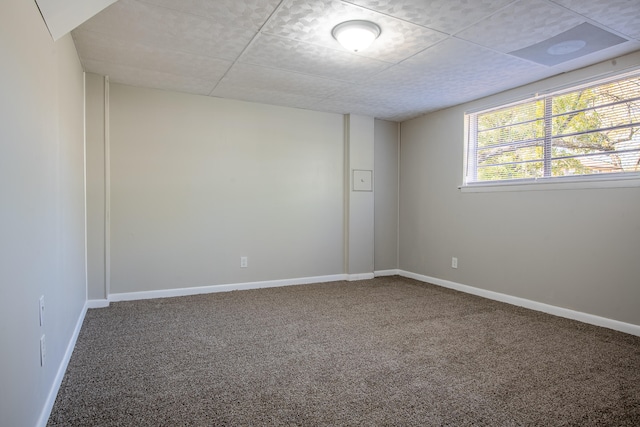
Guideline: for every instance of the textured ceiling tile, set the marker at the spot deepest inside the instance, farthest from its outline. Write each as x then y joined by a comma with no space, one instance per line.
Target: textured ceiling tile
255,83
389,110
312,22
254,77
448,16
521,24
266,96
454,61
97,46
393,86
438,79
392,96
355,107
170,4
251,14
124,74
619,15
142,23
387,102
306,58
188,45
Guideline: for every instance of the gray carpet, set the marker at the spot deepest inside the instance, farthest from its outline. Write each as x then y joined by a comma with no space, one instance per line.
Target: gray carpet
388,351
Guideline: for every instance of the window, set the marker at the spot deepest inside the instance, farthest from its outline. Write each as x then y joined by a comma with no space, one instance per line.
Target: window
591,131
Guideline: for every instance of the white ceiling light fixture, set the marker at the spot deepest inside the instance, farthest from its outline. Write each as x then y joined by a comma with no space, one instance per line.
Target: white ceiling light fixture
356,35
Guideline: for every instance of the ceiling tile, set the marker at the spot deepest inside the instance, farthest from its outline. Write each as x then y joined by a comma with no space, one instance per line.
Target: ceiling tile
448,16
171,4
395,93
380,100
250,14
355,106
393,84
454,61
619,15
97,46
255,77
277,52
312,22
521,24
387,106
431,54
438,78
138,22
119,73
267,96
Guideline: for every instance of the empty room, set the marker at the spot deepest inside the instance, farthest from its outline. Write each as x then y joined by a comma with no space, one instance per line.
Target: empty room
320,212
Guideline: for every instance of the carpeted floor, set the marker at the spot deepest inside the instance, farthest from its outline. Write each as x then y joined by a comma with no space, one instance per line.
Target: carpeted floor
387,351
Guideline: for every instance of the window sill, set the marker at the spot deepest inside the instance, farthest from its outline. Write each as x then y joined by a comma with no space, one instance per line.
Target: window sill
549,185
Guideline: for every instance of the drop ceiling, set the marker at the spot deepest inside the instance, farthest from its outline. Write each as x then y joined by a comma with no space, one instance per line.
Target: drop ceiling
430,54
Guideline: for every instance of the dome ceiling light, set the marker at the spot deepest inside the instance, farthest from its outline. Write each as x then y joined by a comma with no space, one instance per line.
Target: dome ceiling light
356,35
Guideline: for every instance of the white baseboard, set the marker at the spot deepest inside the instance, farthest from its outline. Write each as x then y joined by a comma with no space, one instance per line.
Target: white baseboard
381,273
98,303
522,302
57,381
359,276
526,303
166,293
101,303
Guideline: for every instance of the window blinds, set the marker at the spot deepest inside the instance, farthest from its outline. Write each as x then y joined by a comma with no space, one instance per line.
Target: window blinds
592,130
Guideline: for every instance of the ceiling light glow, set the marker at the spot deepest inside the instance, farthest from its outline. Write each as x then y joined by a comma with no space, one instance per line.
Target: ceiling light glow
356,35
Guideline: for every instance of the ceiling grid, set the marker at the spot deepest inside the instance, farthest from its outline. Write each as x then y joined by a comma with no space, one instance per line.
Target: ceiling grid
429,55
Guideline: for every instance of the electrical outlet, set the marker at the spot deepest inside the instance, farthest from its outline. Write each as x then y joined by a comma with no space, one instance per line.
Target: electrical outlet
454,262
42,310
43,351
244,262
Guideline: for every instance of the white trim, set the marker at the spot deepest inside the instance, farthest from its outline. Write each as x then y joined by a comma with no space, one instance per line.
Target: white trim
522,302
492,104
57,381
380,273
577,183
533,305
97,303
179,292
607,180
360,276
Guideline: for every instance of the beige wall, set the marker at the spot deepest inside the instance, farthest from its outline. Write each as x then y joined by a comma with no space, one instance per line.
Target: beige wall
198,182
576,249
359,140
386,195
42,208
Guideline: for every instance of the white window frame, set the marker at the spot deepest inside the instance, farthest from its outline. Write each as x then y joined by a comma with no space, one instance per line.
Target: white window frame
605,180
